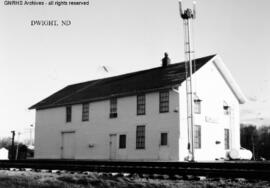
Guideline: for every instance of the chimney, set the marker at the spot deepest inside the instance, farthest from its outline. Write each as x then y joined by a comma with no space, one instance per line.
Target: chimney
166,60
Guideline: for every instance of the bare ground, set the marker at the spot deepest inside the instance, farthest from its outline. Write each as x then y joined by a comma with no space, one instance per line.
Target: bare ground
29,179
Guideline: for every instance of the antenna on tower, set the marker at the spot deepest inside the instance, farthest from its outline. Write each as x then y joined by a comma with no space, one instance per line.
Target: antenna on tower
188,15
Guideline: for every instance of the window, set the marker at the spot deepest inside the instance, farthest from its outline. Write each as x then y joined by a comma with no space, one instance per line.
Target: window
163,101
164,139
122,141
113,108
141,104
140,137
68,113
85,112
226,108
197,104
227,138
197,136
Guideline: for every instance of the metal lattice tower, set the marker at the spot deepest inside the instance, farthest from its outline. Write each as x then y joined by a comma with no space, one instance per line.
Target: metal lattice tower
188,15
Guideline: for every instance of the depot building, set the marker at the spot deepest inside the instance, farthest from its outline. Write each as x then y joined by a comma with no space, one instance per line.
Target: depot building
143,116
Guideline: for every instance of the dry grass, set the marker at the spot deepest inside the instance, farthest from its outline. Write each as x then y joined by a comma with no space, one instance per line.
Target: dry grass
12,179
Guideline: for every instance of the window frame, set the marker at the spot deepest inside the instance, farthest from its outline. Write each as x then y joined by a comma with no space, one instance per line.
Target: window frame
140,137
141,104
226,139
113,108
161,140
68,114
164,101
85,112
122,145
197,137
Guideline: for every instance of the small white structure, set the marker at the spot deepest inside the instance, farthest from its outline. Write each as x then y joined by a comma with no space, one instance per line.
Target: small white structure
142,116
3,154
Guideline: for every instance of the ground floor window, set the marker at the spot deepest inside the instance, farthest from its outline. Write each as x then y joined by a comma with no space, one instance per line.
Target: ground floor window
164,139
197,136
122,141
227,138
140,137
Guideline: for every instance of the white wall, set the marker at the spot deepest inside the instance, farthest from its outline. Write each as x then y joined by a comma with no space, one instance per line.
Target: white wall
50,123
212,90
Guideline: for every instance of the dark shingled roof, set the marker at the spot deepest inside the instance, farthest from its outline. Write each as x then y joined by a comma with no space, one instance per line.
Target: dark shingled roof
122,85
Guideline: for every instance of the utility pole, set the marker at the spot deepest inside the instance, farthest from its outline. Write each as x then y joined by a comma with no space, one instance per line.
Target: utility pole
188,15
12,145
17,150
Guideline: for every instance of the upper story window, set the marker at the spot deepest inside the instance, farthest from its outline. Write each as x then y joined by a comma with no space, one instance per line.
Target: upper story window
164,139
140,137
226,108
197,104
68,113
197,136
141,104
113,108
163,101
227,138
85,112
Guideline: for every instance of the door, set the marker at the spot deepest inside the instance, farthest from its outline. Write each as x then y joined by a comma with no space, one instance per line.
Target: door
217,143
68,145
113,146
164,149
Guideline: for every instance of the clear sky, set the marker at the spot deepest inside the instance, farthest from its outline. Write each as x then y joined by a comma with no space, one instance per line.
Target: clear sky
126,36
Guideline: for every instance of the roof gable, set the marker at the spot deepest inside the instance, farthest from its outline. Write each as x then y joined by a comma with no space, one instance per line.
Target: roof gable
122,85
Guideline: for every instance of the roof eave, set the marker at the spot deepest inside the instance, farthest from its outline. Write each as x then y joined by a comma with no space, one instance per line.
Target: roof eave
40,107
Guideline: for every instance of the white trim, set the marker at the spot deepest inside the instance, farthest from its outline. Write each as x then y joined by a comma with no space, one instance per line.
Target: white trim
227,76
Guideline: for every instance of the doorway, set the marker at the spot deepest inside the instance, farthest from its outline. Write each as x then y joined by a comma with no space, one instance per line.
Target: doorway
113,146
68,145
